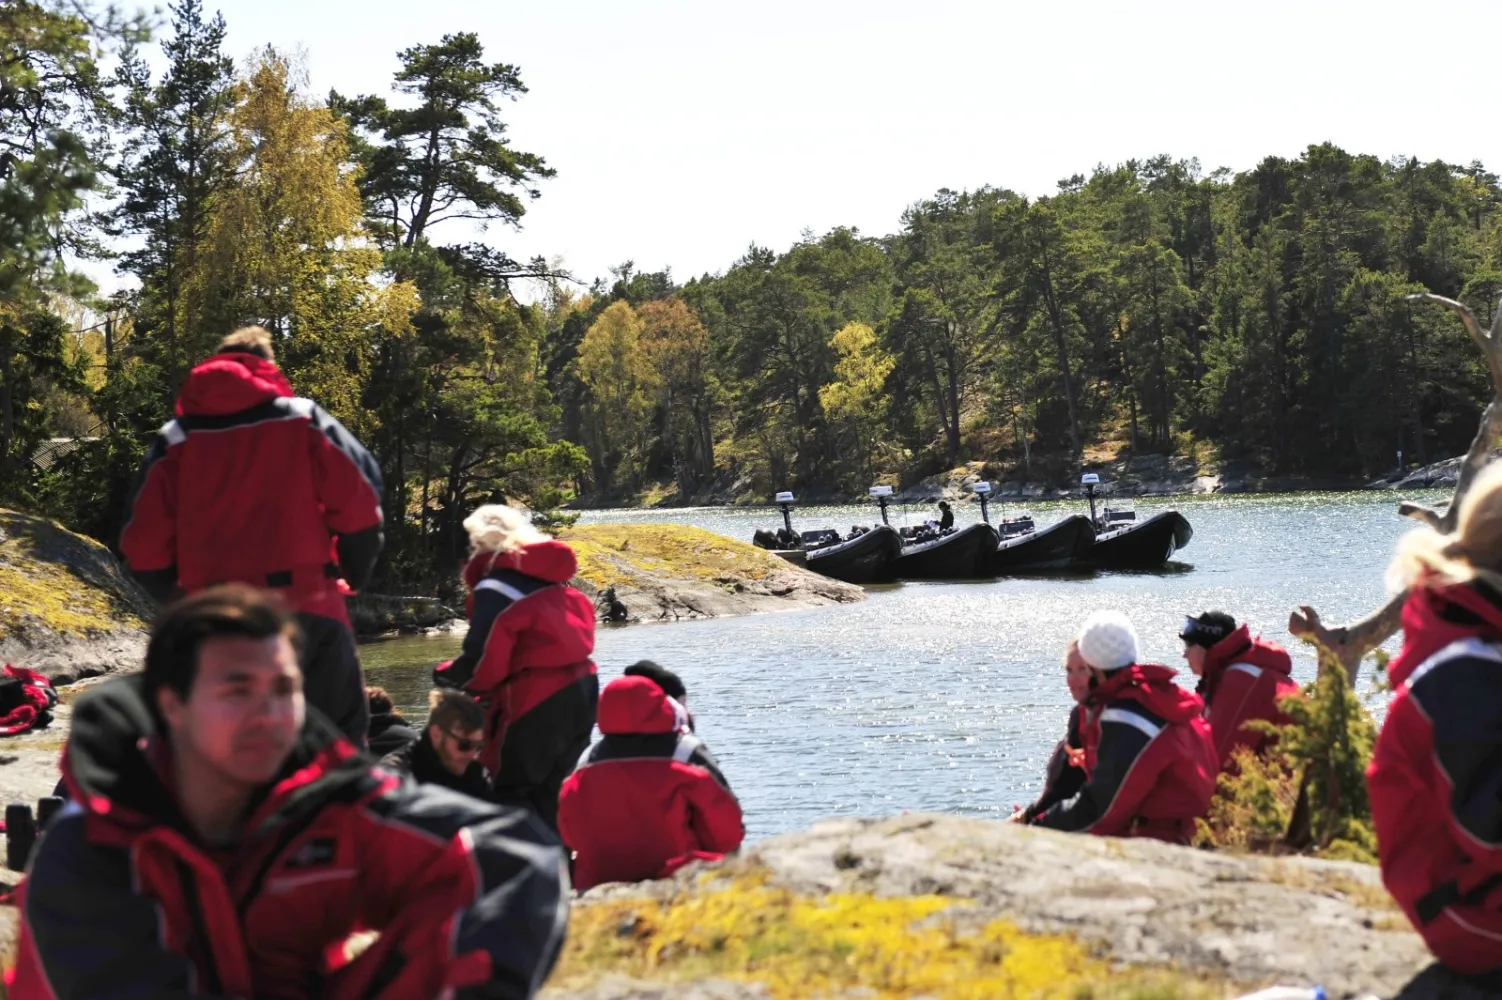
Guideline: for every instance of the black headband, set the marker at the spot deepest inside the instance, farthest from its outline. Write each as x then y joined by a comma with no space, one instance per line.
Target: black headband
1200,633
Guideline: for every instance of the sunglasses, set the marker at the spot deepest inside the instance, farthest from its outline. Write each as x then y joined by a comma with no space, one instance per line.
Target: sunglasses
464,745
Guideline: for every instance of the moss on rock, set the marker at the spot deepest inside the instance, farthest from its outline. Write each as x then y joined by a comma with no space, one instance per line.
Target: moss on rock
66,608
672,571
797,946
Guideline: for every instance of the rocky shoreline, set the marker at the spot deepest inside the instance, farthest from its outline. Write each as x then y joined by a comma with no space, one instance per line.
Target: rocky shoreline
1141,476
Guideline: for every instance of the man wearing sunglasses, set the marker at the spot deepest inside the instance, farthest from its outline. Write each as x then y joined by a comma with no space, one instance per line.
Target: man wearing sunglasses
448,751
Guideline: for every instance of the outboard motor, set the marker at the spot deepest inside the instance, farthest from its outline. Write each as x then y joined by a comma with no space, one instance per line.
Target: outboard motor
1089,481
882,495
982,490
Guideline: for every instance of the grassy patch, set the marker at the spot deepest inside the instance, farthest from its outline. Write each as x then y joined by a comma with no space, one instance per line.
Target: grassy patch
838,945
617,555
53,579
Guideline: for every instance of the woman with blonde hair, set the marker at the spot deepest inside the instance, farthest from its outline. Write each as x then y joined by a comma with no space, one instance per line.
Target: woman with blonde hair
526,658
1436,774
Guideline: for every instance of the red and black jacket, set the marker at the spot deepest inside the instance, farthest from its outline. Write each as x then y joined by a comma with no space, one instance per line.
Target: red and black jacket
648,797
1063,779
530,636
1243,680
251,484
1150,760
1436,776
124,900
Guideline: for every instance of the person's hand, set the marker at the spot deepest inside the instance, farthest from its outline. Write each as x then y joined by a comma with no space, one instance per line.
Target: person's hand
1076,756
1018,814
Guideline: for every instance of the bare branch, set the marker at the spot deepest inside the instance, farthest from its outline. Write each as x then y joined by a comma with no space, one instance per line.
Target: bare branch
1475,458
1419,512
1488,345
1350,643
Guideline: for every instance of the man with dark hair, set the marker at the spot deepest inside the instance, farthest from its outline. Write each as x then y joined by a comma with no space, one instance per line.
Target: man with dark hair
1241,680
252,484
448,751
223,840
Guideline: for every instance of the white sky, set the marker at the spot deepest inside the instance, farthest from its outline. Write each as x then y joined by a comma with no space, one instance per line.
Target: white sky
684,131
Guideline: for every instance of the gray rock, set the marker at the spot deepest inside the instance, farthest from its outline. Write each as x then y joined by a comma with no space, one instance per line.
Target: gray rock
1252,921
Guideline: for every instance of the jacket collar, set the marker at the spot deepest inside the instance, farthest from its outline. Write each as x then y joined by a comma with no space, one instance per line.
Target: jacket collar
118,766
1434,617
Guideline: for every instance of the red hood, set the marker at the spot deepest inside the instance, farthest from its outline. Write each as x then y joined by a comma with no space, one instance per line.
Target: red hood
230,383
550,560
637,705
1152,687
1240,647
1434,617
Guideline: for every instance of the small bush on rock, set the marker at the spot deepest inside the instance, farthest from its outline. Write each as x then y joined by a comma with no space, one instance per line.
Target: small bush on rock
1309,792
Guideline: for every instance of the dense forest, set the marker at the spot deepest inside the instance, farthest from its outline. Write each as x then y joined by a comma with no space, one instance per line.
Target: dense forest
1146,307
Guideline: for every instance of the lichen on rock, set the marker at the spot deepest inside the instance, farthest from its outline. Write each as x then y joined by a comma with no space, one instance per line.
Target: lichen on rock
66,608
672,571
928,905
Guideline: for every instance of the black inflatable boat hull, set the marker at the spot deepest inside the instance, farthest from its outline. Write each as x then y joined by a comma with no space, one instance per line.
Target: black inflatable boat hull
1058,546
963,555
865,559
1143,544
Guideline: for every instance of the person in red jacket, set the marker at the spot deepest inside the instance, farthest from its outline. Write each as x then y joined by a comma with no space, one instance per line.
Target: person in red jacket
649,797
1148,752
254,485
526,657
1436,773
224,840
1241,680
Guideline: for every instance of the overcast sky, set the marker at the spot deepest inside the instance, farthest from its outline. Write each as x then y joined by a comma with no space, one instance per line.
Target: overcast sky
682,132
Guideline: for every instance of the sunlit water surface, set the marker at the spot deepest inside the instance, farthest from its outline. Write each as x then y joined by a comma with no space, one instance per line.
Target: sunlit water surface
949,696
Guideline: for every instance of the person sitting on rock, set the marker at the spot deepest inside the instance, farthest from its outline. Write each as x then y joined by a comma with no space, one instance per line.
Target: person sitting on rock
1242,680
671,683
1436,773
224,839
255,485
388,730
946,517
649,797
448,751
1148,751
1065,774
526,657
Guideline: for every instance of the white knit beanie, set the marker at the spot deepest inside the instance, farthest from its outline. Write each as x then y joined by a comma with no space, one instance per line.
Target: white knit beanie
1108,641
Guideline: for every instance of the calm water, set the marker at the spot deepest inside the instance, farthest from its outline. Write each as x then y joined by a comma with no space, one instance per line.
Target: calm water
950,696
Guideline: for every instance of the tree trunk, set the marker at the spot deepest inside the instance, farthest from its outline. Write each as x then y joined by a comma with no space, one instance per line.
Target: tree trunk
7,410
1056,320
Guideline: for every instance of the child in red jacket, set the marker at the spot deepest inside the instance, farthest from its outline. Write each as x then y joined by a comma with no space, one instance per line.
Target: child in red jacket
526,657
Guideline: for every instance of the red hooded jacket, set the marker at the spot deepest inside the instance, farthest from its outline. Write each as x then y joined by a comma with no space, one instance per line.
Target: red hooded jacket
647,798
530,636
254,485
1436,776
1243,680
123,899
1150,759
